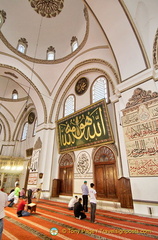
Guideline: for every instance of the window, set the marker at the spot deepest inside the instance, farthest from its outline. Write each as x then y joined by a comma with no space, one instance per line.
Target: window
25,130
14,94
100,90
50,53
74,44
22,45
69,105
2,17
21,48
35,126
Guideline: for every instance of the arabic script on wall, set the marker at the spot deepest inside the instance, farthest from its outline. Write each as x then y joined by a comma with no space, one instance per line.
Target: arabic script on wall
140,125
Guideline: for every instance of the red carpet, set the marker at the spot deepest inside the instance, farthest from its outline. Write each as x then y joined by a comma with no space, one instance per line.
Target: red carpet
56,216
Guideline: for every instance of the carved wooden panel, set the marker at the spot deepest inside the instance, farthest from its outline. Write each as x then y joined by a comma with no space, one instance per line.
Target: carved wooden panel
124,192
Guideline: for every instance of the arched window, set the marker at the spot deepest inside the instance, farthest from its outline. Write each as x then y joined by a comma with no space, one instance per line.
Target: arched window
100,90
35,126
69,105
21,48
22,45
74,43
50,53
25,130
14,94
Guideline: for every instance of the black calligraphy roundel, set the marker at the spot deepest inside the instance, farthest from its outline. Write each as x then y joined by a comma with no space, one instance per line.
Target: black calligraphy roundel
31,118
81,86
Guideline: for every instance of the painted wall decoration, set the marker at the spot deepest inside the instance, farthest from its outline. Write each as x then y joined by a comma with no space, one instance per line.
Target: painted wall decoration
83,163
34,160
85,128
140,124
32,179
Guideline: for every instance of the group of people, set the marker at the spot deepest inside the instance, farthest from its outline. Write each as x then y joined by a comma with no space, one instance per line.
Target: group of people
17,198
15,194
79,208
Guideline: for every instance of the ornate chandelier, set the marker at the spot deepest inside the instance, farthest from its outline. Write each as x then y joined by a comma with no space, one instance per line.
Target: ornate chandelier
47,8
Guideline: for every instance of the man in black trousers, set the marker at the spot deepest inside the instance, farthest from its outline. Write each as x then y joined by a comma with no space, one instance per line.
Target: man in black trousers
78,210
85,193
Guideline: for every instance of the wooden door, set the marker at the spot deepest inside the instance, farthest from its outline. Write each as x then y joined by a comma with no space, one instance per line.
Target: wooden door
100,183
62,177
66,177
105,179
111,181
69,181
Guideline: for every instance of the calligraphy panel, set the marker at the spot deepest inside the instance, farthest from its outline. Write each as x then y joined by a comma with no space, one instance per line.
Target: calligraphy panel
32,178
85,128
140,125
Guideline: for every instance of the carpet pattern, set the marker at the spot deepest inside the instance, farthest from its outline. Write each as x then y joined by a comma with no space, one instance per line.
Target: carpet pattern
53,220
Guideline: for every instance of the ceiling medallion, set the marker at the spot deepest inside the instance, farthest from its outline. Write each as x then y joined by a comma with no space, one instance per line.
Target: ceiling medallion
81,86
47,8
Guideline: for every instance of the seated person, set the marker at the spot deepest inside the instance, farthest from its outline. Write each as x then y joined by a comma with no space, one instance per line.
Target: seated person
72,202
11,198
78,210
21,212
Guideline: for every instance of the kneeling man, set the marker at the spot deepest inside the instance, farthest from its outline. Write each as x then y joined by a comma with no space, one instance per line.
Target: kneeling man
21,212
78,210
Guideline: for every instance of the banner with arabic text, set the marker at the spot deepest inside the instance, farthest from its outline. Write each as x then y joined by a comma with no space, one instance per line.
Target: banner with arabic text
85,128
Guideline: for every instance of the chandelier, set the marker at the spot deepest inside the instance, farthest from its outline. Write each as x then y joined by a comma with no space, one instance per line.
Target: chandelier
47,8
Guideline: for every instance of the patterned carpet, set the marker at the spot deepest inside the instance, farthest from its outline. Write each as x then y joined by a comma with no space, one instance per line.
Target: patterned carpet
53,220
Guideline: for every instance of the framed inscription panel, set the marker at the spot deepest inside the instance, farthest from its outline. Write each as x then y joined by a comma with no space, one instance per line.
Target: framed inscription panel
85,128
140,124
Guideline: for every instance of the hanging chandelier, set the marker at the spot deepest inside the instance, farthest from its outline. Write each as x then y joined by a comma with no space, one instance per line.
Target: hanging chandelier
47,8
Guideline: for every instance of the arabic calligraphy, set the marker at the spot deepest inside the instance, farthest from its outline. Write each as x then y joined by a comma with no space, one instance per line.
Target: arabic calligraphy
86,127
144,147
89,127
141,139
142,130
83,163
144,168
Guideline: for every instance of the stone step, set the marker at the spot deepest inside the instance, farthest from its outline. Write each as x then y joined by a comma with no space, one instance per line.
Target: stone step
101,204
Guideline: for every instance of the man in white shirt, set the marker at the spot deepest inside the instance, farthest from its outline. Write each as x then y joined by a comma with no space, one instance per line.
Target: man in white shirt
11,198
3,204
72,203
93,202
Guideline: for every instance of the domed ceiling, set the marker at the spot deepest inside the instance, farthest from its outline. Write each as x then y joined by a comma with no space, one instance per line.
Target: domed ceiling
43,23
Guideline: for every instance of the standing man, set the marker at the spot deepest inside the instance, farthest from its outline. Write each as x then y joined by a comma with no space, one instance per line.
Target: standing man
85,193
3,204
93,202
